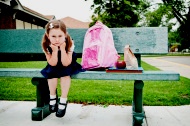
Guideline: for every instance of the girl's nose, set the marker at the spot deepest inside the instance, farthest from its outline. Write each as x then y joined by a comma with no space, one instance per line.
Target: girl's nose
57,39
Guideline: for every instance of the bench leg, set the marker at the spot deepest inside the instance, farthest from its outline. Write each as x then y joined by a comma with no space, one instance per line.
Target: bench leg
42,93
138,112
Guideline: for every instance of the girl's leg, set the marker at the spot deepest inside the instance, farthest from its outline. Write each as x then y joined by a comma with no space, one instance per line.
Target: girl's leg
52,83
65,85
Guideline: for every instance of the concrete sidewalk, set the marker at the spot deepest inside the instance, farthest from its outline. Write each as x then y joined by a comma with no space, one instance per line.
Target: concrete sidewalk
19,113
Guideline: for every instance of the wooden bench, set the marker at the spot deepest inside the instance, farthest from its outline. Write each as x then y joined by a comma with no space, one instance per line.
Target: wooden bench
142,41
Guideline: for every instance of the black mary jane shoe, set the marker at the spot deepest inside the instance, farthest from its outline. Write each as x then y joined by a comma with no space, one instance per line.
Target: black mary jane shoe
53,108
61,112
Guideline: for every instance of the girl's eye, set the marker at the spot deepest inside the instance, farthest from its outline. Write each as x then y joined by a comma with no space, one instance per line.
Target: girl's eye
60,36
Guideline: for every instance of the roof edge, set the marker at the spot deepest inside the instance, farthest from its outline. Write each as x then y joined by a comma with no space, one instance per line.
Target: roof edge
22,8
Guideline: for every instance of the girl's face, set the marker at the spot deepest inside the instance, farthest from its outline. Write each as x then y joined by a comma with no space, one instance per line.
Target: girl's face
56,36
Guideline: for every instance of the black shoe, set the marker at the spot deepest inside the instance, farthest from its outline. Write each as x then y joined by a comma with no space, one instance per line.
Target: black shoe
61,112
53,108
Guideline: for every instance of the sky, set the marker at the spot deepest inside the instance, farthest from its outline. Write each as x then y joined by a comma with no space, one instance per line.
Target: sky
78,9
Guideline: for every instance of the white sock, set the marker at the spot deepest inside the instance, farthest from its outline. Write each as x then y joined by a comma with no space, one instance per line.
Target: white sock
52,102
62,100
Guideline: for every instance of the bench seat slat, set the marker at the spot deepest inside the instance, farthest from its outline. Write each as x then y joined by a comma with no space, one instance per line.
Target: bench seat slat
146,75
97,75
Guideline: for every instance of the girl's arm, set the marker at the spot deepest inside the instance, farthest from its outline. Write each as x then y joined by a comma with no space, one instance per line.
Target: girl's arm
52,59
66,58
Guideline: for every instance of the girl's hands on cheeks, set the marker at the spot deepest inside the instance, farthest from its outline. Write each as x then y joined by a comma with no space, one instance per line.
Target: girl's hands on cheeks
62,46
54,48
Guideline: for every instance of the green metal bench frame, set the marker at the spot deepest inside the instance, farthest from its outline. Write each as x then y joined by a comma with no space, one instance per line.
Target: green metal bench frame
144,40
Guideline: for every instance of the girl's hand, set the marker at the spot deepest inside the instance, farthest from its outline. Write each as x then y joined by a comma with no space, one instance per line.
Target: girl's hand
62,46
54,48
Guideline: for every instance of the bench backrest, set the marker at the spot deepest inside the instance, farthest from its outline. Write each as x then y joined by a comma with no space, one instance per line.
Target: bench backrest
142,40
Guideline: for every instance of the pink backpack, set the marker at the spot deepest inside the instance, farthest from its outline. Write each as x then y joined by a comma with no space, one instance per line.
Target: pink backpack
98,49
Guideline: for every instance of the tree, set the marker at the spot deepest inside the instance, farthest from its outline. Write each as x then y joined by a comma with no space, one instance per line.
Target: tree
158,17
181,11
117,13
167,11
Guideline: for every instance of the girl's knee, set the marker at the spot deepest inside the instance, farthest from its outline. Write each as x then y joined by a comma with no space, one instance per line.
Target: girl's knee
65,78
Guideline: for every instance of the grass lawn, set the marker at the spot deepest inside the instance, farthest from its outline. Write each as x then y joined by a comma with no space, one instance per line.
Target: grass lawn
104,92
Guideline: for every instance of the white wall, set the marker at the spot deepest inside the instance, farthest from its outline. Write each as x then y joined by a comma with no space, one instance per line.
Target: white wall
34,26
39,27
19,24
25,25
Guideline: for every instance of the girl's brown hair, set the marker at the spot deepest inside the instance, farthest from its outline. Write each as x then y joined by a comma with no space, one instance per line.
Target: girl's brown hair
55,24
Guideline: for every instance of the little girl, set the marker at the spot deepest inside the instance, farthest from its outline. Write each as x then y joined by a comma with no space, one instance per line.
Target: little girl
61,63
